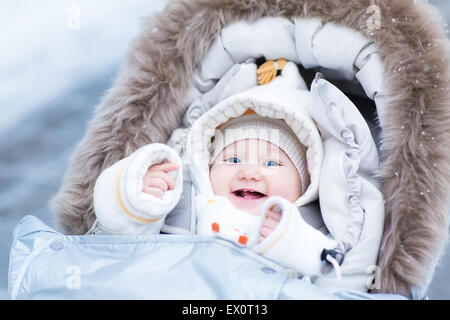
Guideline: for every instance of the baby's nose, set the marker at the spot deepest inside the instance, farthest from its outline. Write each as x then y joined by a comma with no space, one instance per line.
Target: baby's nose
250,172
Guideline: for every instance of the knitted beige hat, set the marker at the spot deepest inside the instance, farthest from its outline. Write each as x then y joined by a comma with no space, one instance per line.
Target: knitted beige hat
275,131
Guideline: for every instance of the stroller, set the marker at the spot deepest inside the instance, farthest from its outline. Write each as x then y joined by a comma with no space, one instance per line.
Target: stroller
389,57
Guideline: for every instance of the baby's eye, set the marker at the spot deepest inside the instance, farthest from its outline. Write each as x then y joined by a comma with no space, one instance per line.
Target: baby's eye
271,163
232,160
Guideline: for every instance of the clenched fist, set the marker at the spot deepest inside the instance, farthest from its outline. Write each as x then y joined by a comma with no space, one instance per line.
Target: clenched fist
157,180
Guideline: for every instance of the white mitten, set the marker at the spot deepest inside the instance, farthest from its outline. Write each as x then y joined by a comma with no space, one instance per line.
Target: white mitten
293,243
119,203
216,216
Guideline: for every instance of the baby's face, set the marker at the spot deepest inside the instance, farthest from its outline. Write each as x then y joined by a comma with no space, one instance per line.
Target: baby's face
249,171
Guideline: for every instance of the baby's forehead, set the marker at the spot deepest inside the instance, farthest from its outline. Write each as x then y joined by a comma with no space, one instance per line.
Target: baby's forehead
253,146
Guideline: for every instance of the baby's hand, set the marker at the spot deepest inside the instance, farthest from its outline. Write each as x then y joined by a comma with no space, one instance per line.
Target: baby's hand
273,217
157,181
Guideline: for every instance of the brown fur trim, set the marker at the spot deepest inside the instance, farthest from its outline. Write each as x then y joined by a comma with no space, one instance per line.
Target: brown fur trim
145,105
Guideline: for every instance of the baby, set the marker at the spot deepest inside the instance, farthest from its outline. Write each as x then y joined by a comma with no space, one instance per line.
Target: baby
247,171
254,158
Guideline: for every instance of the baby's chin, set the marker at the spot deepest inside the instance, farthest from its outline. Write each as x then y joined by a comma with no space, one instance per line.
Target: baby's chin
252,206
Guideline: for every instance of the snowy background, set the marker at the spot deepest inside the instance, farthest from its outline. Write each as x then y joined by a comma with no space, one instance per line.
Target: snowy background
57,59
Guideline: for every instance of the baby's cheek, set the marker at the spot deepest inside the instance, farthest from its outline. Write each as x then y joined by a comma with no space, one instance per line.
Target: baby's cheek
218,177
285,186
213,179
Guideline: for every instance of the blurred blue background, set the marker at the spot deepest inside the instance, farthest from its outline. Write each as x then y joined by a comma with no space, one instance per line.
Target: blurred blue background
57,59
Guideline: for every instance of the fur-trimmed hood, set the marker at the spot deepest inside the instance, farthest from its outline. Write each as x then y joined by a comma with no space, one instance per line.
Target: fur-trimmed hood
147,103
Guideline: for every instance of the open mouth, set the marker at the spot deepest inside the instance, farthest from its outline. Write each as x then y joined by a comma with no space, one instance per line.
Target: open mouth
248,194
